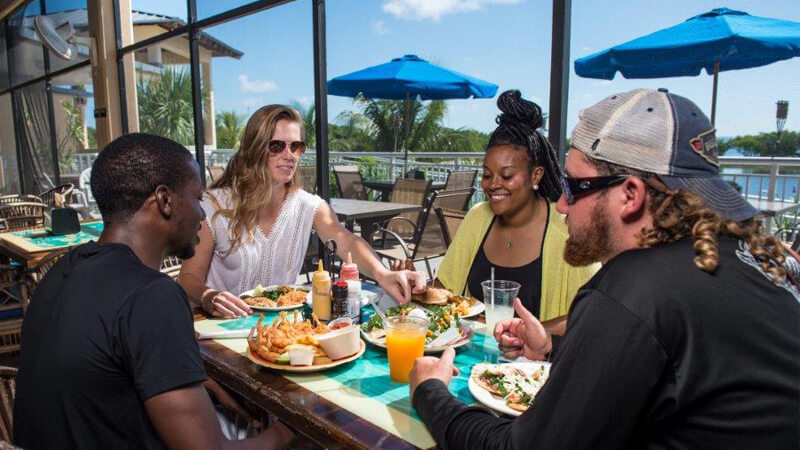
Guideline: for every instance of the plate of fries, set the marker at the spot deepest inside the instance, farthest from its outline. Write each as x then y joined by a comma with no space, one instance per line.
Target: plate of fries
270,345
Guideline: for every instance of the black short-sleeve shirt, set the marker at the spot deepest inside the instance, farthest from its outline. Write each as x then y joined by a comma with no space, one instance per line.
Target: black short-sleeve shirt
103,333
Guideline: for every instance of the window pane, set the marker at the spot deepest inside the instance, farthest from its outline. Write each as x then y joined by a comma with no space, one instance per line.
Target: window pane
164,90
3,57
251,62
27,56
208,8
73,104
9,175
69,17
153,17
36,151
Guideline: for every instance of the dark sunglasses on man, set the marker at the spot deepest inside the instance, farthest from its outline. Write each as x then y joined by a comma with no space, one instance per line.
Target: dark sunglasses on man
575,188
296,147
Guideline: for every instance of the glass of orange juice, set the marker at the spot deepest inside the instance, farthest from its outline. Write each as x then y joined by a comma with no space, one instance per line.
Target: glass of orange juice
405,342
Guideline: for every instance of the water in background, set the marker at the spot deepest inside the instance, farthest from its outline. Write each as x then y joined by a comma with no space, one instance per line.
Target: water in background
757,186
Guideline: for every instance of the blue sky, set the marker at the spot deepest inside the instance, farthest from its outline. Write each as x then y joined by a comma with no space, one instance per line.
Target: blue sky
503,41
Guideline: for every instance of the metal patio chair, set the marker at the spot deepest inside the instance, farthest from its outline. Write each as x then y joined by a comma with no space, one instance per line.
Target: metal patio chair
460,179
349,182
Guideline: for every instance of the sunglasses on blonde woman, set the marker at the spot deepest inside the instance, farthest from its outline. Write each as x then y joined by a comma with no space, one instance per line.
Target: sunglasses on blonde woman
296,147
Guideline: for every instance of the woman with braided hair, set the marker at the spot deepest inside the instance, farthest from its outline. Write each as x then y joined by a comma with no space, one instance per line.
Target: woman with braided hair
517,230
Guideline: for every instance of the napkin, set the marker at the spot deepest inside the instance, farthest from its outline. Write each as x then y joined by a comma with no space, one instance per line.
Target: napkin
232,334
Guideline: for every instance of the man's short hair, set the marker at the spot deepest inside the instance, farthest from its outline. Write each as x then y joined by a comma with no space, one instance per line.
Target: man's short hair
131,167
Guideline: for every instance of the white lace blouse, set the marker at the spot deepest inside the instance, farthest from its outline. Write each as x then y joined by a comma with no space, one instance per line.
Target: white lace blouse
266,260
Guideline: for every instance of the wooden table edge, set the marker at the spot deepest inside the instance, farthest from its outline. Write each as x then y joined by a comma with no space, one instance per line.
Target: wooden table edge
306,422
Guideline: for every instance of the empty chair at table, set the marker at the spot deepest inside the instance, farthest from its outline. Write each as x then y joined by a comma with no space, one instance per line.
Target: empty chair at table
415,174
411,192
349,182
215,171
8,388
18,198
460,179
308,176
23,214
34,275
427,239
171,265
65,191
449,221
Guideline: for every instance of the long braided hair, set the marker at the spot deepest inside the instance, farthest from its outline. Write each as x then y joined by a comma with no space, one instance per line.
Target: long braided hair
518,126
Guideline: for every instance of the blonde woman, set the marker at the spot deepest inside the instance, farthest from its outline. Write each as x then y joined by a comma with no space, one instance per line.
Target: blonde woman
258,223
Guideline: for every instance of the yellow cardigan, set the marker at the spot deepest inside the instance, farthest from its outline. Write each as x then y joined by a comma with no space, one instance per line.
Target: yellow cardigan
560,281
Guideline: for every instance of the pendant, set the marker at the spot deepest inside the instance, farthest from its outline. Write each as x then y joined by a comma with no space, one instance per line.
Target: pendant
509,245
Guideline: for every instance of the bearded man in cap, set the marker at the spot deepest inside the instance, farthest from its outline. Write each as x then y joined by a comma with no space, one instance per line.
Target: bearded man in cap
688,337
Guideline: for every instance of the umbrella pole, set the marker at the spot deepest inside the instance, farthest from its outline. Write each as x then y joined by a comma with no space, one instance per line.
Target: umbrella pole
714,93
407,127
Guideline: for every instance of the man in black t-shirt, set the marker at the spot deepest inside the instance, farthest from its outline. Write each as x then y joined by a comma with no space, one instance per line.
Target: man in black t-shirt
688,337
109,358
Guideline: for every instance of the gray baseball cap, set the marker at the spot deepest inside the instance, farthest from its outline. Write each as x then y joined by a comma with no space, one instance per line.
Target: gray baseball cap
661,133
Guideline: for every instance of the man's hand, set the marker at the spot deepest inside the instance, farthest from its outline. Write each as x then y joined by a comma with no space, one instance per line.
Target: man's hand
428,367
523,335
400,285
224,304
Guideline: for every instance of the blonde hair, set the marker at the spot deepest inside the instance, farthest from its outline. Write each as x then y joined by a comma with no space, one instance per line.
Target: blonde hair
247,174
687,215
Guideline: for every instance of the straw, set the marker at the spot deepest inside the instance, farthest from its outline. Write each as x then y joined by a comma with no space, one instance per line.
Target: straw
491,288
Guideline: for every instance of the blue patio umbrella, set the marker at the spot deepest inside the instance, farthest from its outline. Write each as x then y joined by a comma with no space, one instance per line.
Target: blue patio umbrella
719,40
410,77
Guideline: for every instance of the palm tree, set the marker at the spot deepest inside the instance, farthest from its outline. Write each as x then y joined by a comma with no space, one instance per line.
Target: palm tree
165,106
390,118
230,127
309,122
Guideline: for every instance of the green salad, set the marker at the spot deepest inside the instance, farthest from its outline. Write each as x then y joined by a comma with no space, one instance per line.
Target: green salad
441,319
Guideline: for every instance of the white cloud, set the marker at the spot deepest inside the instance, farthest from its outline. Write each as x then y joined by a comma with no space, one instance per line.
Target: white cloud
305,101
248,85
435,9
252,101
380,28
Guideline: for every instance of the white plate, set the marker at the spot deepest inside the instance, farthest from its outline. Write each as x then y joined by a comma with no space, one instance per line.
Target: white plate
365,296
273,308
497,402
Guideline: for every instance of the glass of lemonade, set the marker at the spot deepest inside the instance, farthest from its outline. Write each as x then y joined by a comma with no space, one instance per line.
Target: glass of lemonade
405,342
504,293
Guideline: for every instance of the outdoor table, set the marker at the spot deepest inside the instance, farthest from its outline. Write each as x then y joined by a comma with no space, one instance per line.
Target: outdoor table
28,247
367,213
355,405
385,187
772,210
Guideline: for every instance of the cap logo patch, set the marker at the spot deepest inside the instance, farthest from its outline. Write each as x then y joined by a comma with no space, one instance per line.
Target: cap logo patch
705,145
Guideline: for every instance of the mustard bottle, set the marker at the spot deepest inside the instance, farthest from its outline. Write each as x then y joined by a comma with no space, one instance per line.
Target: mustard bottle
321,293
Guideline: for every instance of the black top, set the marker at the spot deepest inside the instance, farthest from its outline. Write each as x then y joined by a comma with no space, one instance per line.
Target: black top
528,276
103,333
658,354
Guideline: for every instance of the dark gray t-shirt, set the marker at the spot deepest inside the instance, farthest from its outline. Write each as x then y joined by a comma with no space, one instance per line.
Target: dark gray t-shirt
103,333
658,355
